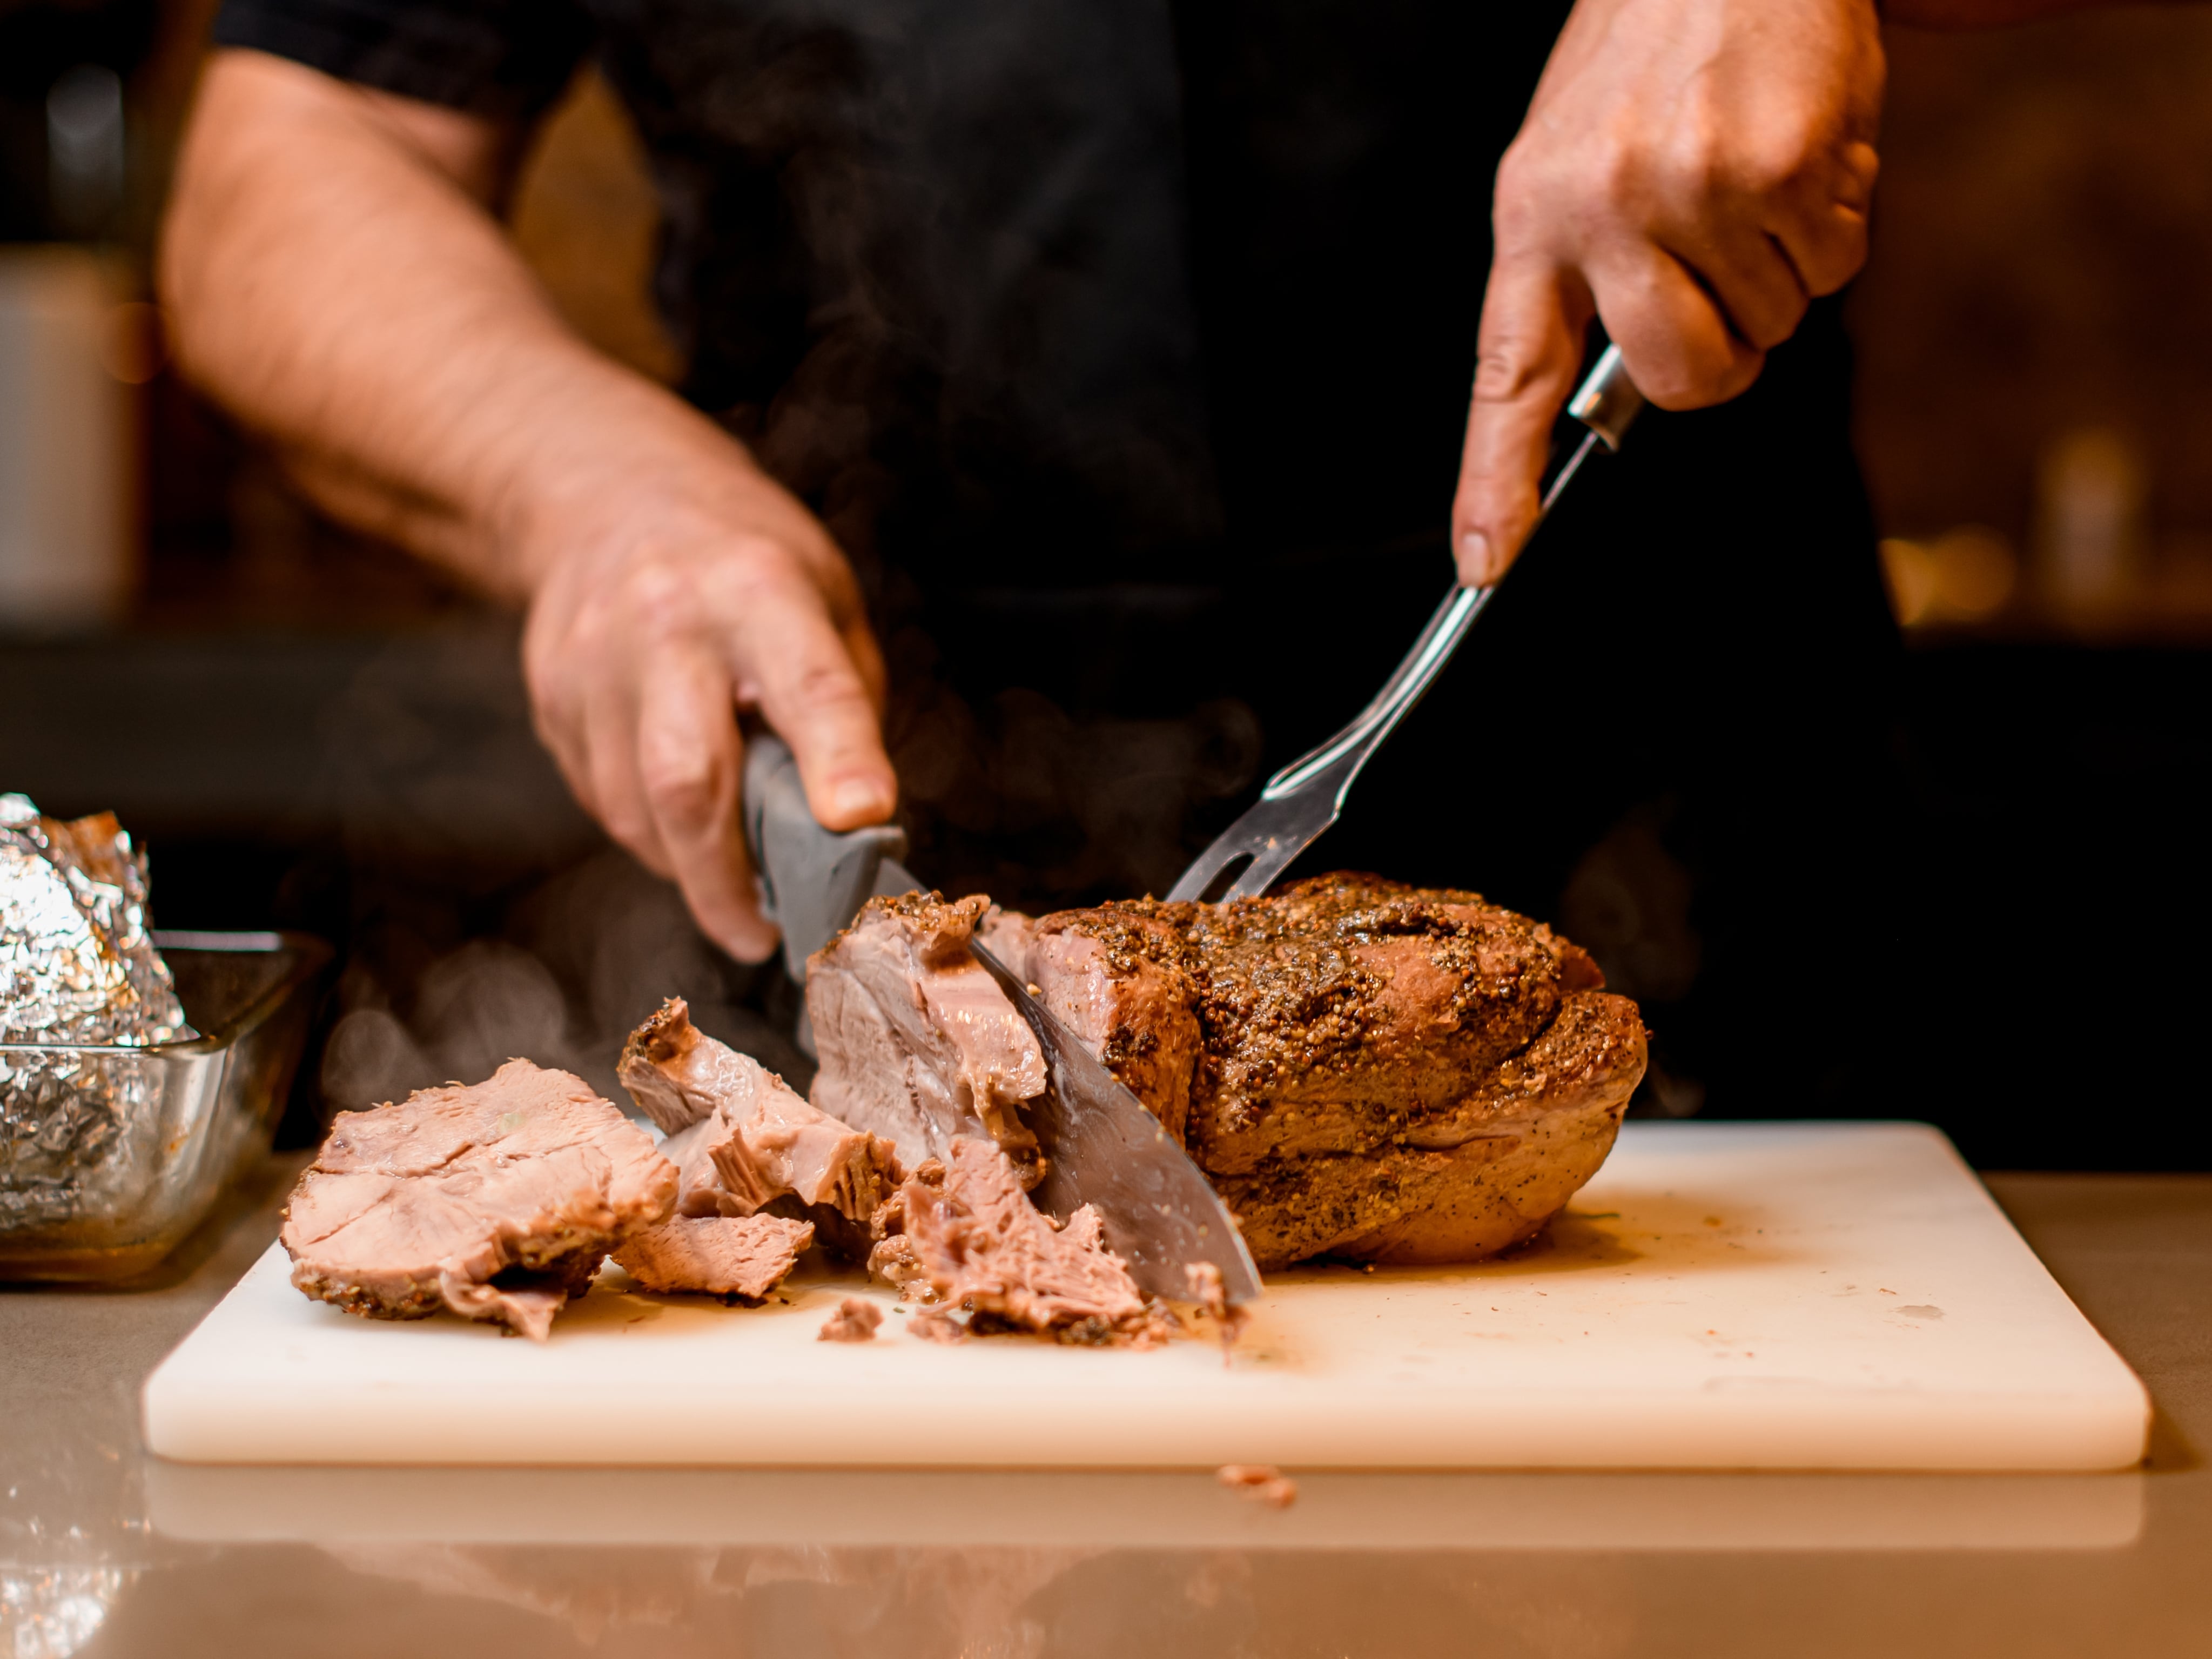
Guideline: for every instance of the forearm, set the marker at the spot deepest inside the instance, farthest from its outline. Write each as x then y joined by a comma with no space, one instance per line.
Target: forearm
341,292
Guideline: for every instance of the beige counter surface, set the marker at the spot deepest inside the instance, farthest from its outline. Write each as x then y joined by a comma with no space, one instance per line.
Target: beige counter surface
104,1552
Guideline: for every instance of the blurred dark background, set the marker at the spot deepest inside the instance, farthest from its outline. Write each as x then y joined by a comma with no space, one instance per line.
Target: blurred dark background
311,732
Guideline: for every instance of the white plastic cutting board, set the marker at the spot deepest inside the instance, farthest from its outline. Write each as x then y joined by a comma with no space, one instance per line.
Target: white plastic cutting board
1721,1296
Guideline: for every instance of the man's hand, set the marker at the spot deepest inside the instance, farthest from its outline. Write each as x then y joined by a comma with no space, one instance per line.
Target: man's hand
649,629
1692,172
334,279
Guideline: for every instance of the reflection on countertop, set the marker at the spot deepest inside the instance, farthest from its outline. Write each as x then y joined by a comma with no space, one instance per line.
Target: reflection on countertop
103,1552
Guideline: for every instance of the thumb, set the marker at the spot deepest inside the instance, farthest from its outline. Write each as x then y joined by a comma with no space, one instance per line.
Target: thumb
1533,319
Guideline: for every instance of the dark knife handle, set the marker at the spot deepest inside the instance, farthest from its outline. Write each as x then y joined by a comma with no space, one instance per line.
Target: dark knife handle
812,881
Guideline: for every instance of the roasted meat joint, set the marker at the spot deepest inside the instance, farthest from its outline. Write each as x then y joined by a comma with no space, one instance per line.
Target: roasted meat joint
1365,1071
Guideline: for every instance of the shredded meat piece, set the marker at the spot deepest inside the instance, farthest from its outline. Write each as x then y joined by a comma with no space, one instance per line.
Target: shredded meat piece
744,1141
893,1260
856,1321
935,1325
742,1257
981,1244
496,1200
1206,1288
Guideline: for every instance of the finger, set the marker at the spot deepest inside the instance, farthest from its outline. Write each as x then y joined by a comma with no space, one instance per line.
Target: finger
799,671
1822,227
689,765
1530,348
1753,282
868,659
615,794
1675,340
556,710
1828,247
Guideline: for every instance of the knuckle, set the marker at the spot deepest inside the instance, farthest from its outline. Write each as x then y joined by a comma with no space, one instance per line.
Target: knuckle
685,786
1625,184
1502,373
1769,165
652,592
1517,198
827,689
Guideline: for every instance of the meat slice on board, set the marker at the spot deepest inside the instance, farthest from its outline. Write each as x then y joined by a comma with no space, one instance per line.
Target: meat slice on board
740,1257
744,1141
964,1228
497,1199
918,1043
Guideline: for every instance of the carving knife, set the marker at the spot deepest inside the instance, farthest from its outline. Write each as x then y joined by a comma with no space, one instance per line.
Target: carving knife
1161,1216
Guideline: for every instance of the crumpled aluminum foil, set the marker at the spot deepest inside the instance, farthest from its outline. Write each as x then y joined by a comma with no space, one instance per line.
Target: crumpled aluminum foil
77,967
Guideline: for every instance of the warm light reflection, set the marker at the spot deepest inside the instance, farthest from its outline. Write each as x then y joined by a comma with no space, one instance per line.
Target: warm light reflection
1968,574
50,1613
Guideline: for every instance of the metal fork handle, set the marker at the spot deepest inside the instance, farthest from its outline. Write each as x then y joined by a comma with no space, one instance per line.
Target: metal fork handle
1605,403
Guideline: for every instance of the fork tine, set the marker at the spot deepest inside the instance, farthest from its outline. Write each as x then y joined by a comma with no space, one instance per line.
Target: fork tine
1245,859
1304,798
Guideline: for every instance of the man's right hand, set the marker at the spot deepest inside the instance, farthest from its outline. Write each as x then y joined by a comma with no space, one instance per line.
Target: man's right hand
1693,172
333,277
650,631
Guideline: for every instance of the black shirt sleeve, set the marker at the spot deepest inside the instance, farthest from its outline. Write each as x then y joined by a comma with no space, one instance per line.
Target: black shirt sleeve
502,58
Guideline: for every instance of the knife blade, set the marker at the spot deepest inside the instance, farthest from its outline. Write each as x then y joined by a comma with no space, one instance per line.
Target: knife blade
1161,1215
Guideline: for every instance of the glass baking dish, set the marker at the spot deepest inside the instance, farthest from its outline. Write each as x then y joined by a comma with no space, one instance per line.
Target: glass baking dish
111,1154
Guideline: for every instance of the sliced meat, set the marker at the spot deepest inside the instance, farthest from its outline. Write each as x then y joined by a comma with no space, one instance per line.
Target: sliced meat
935,1325
918,1043
741,1256
743,1140
496,1200
975,1236
856,1321
1007,935
1381,1071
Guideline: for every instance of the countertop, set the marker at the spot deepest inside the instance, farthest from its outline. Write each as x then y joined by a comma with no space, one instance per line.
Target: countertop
103,1552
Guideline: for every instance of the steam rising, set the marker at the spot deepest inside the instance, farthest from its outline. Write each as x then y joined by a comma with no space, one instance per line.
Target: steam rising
587,957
